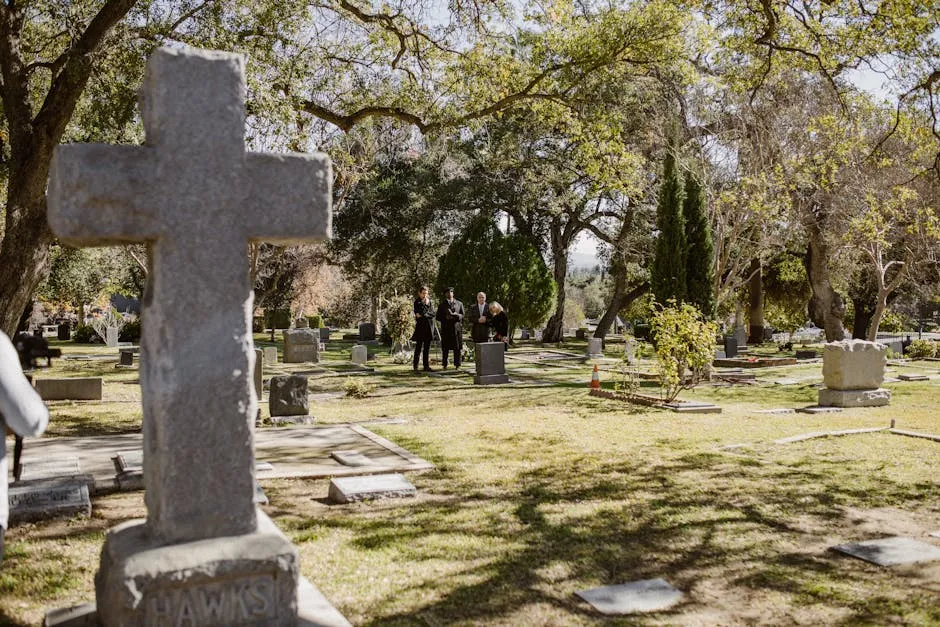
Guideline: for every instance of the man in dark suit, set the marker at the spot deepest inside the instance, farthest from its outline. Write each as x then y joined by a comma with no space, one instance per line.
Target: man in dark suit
480,315
450,315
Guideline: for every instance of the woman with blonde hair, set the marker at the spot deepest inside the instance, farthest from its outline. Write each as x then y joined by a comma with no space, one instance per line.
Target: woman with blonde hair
500,324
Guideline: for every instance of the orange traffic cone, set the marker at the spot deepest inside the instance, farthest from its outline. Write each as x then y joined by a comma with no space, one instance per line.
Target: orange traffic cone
595,379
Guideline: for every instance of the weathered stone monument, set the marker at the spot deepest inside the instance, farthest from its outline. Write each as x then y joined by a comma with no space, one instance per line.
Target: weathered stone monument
490,363
366,332
288,396
205,554
301,345
595,348
853,371
111,337
360,354
270,355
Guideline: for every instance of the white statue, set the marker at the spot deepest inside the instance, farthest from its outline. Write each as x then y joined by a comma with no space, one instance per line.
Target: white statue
21,412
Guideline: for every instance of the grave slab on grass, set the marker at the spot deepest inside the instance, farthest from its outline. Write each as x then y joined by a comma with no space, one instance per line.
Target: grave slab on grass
648,595
50,467
692,407
42,499
891,551
351,458
300,451
913,377
816,409
351,489
776,410
69,389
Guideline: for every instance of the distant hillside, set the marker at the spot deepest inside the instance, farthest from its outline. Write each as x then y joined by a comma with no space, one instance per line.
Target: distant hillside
584,261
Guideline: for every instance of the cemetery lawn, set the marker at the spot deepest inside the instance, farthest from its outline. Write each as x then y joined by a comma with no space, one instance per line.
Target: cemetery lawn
540,491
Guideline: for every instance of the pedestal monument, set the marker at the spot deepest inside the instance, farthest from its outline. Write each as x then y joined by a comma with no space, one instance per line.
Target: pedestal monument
205,555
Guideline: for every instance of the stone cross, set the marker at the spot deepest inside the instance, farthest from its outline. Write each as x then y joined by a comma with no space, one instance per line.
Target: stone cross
197,198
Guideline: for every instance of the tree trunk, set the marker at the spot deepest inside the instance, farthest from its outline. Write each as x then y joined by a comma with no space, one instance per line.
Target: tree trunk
826,307
880,305
555,327
622,298
24,256
755,312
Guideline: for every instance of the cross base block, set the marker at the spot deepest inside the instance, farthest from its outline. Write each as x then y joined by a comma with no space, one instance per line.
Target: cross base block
249,579
854,398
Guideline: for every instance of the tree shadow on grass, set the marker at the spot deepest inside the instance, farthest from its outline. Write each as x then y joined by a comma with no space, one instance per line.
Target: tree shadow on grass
614,522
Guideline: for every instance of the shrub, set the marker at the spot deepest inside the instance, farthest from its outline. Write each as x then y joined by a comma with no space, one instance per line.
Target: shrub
85,334
923,349
130,332
357,388
400,320
685,341
315,321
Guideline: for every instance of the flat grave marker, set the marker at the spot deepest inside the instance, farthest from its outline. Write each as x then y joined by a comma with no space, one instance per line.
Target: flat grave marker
351,458
69,389
49,468
648,595
913,377
42,499
891,551
352,489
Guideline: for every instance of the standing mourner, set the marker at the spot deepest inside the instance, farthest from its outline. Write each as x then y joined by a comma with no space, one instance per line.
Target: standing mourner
480,314
424,317
21,412
450,315
500,324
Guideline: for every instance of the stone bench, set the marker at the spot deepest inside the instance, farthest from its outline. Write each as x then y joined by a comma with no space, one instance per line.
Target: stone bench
74,389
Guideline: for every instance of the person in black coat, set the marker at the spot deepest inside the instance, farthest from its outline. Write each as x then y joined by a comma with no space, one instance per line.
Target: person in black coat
450,315
480,315
500,323
424,316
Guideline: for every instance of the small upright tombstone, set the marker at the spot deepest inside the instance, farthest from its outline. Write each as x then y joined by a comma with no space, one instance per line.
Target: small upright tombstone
629,350
324,334
288,396
366,332
259,372
490,363
595,349
360,354
111,337
302,323
205,554
270,355
740,334
64,332
853,371
731,346
301,345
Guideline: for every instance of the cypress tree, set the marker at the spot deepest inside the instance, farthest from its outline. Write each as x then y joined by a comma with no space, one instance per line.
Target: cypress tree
667,275
700,250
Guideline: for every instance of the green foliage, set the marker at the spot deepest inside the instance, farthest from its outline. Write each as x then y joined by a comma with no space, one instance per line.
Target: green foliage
400,322
700,249
85,334
130,332
668,272
923,349
315,321
685,344
574,315
894,322
357,387
508,268
395,223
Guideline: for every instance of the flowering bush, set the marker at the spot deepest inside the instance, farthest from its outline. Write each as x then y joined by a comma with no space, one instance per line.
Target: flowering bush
400,322
685,342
